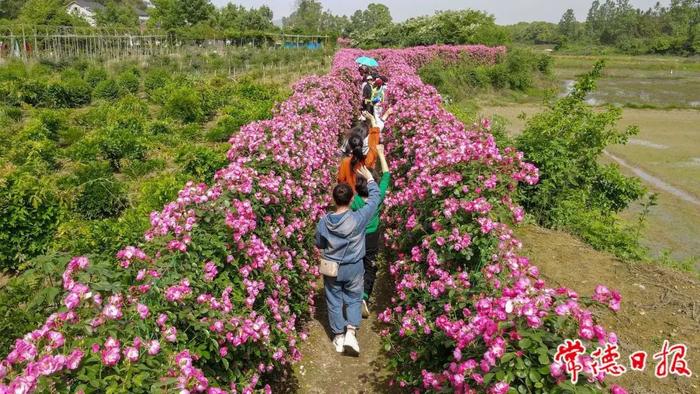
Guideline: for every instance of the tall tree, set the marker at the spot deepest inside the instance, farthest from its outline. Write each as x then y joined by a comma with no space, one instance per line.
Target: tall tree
568,25
117,14
47,12
239,18
9,9
376,16
170,14
306,18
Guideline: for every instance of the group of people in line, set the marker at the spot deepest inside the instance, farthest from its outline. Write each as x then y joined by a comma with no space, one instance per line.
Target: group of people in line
350,236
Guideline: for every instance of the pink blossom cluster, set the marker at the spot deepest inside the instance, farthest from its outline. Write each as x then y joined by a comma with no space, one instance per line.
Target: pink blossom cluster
453,187
251,230
252,227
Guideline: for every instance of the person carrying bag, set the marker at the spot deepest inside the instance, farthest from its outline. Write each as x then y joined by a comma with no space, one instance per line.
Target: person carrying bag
341,237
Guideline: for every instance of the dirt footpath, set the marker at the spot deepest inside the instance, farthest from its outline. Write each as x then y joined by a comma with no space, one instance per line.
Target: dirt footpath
657,303
322,370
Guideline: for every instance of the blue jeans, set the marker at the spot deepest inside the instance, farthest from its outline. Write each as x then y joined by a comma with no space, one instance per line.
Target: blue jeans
346,289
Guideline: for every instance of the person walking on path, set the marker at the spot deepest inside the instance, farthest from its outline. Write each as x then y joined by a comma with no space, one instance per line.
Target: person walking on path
372,234
341,237
363,152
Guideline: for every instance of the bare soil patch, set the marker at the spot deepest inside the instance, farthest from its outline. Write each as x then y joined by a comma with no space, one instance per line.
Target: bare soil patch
657,303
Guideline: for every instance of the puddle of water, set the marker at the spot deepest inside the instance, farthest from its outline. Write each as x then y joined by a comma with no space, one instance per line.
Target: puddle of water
661,91
654,181
646,143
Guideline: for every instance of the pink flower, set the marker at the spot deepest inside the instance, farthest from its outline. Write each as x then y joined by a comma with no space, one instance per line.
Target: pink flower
110,356
499,388
112,312
56,338
74,359
153,347
71,301
556,369
210,271
142,310
131,353
171,334
615,389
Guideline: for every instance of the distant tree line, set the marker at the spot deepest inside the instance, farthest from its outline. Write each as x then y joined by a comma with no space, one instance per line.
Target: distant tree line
673,29
371,27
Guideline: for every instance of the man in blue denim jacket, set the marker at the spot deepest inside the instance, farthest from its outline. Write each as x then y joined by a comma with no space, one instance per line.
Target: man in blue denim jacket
341,236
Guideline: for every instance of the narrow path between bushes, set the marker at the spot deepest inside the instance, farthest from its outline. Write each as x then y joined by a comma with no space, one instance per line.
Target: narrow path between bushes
322,370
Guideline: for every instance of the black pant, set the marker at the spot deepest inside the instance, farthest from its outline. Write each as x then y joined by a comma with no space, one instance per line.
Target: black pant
370,261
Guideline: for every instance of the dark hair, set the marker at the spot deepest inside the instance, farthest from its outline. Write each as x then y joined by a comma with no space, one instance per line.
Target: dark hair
342,194
361,186
355,144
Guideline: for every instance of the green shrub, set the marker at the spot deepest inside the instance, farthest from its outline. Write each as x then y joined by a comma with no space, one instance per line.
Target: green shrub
498,75
185,104
157,127
575,191
69,93
99,194
129,113
129,82
12,113
94,75
520,65
200,161
10,93
35,143
30,209
545,63
157,192
107,90
156,79
117,143
27,298
32,92
226,126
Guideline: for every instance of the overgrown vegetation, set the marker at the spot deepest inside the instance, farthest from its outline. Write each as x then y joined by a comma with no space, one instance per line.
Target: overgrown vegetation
85,144
517,71
576,192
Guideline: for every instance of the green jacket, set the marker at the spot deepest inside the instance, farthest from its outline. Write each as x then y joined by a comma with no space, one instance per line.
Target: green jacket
358,203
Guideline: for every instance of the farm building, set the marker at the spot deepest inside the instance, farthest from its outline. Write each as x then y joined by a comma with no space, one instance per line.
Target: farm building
85,9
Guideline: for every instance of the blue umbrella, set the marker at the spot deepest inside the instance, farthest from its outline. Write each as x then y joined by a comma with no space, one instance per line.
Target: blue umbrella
367,61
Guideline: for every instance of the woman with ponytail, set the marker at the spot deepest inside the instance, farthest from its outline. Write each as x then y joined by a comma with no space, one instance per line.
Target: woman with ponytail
363,152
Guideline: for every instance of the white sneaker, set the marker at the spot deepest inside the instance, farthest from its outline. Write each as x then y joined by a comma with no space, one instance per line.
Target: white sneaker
350,344
338,342
365,309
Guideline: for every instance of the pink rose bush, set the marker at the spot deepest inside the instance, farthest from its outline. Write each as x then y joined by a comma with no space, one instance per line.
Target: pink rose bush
214,300
469,314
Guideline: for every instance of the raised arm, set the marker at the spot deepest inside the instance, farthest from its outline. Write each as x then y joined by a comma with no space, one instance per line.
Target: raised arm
382,158
365,213
386,176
